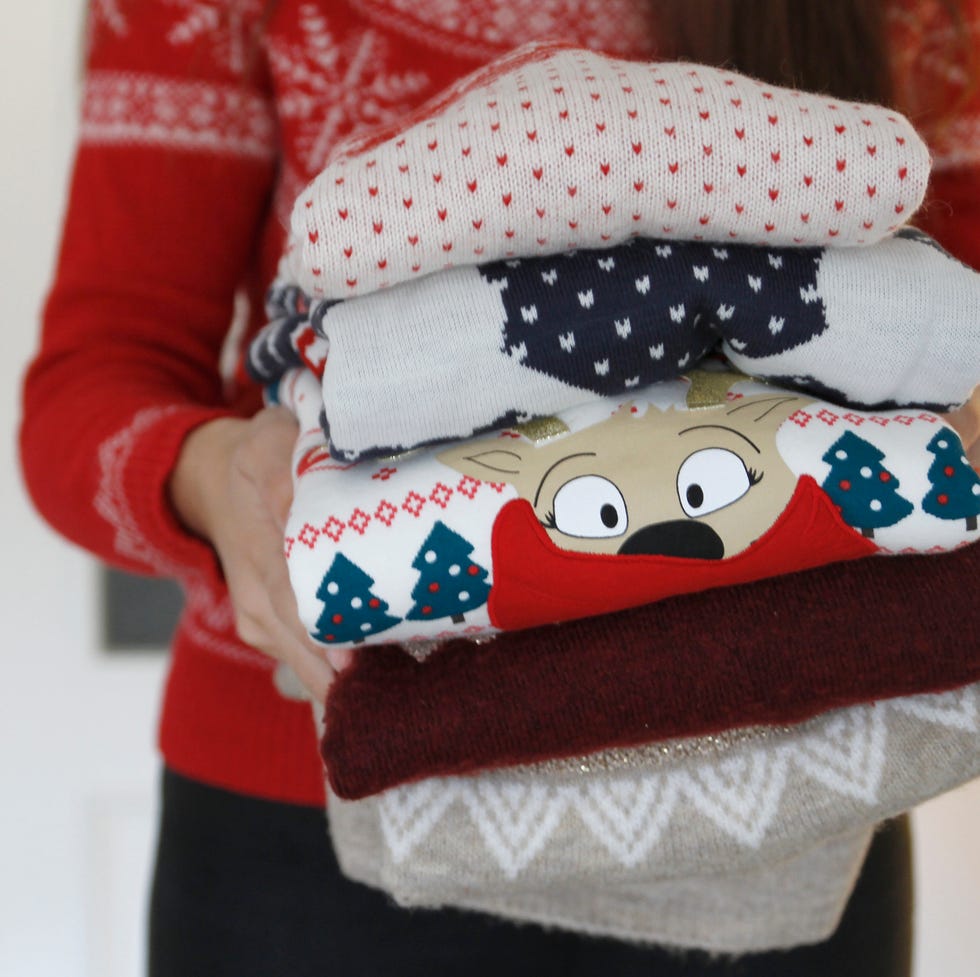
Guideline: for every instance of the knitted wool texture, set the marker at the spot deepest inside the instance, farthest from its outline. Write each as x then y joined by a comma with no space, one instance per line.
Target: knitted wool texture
781,650
462,351
287,340
695,810
677,808
551,149
654,498
764,908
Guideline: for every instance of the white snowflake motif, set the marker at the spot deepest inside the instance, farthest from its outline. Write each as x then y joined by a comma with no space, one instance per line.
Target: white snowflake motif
107,13
230,27
619,27
333,89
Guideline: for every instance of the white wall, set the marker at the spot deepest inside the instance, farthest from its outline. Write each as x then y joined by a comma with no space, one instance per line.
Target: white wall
76,756
77,761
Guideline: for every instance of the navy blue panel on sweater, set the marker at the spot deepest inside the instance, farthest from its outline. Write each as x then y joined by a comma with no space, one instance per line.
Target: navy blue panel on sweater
638,313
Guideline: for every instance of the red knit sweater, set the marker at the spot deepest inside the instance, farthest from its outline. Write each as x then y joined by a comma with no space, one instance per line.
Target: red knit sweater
201,120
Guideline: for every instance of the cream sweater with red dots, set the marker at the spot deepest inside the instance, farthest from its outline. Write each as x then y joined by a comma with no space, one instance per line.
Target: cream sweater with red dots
554,149
201,122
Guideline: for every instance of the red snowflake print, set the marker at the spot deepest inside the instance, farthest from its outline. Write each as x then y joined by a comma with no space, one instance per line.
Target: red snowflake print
441,495
385,512
468,486
308,535
413,503
359,521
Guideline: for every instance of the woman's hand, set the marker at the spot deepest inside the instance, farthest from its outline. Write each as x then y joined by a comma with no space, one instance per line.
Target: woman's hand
965,421
232,485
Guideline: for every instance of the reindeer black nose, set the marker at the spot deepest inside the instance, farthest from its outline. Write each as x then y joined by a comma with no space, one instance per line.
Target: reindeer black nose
678,537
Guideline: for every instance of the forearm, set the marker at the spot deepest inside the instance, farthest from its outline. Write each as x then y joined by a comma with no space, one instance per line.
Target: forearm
128,359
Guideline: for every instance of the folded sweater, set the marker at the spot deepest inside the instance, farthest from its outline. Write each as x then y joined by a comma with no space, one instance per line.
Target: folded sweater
697,483
552,148
780,650
466,350
688,814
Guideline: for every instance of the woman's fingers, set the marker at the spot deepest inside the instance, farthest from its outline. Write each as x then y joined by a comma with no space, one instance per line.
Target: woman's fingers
233,486
965,421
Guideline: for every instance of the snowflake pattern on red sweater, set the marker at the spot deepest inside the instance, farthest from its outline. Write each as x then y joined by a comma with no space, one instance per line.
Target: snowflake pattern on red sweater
621,27
230,30
332,83
209,107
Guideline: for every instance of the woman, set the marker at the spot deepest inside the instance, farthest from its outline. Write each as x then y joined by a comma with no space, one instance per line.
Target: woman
200,124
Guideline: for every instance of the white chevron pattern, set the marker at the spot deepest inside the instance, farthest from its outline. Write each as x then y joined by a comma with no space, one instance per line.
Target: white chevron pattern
849,754
742,794
628,815
958,712
515,819
408,814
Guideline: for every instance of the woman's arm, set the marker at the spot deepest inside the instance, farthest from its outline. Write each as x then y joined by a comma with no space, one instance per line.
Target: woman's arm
129,447
170,184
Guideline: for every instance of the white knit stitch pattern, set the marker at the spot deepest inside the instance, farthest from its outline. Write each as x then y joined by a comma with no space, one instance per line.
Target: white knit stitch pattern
121,108
851,766
209,612
482,30
552,149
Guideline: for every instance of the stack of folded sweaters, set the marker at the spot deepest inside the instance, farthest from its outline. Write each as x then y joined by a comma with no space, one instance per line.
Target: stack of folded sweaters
580,354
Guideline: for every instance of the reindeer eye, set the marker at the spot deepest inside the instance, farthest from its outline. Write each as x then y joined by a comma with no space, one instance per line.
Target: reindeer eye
590,506
710,480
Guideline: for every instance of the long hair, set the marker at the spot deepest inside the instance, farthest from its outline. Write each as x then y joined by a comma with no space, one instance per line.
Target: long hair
833,46
839,47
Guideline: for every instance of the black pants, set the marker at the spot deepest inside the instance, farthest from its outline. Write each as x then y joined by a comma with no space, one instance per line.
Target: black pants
248,888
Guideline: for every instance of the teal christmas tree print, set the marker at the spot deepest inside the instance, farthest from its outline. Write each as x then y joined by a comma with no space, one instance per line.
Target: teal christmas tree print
955,492
351,611
865,492
450,583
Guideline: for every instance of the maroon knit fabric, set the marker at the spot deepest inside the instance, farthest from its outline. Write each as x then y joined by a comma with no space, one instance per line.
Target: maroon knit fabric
777,651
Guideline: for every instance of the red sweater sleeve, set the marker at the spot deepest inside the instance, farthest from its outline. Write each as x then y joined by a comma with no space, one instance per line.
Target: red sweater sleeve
937,83
170,184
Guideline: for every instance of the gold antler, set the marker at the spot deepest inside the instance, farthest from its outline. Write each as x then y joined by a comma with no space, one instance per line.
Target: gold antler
542,429
709,387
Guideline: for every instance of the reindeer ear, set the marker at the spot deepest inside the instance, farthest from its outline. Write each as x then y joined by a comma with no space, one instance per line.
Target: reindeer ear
483,460
769,410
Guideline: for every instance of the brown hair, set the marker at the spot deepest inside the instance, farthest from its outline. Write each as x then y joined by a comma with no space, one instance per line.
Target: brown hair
833,46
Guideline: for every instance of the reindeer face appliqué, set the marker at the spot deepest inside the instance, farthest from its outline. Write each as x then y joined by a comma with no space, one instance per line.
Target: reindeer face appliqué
703,484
